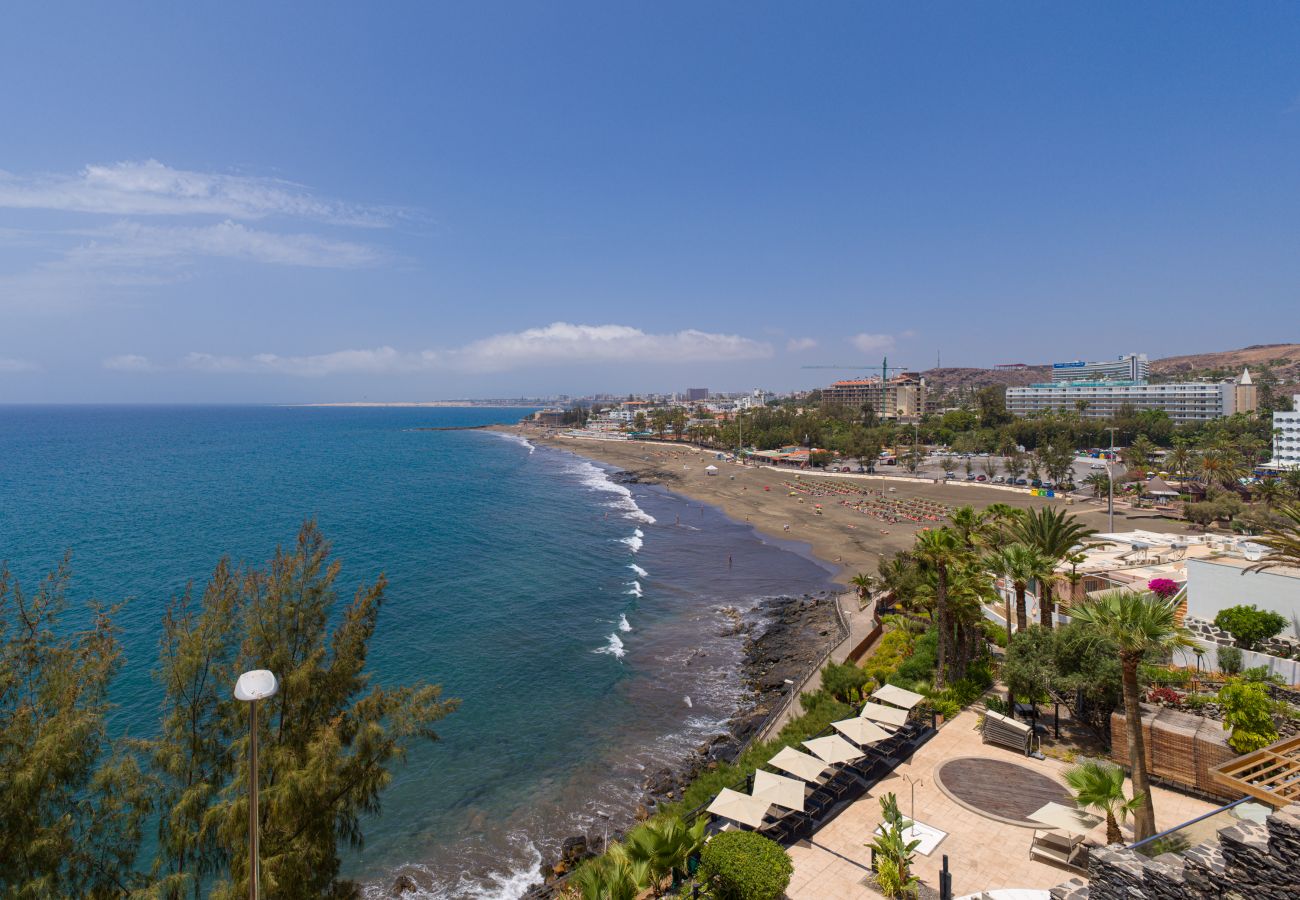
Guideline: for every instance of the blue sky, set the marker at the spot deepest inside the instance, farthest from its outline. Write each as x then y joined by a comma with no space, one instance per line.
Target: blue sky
297,202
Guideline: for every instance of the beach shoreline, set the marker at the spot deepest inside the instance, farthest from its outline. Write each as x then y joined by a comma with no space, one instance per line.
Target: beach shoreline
838,535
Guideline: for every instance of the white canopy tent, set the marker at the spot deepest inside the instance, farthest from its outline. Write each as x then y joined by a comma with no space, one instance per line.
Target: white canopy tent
739,807
785,792
860,731
889,693
888,715
710,470
833,749
1065,818
809,768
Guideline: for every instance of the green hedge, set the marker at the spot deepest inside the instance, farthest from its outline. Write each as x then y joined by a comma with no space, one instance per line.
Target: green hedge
744,865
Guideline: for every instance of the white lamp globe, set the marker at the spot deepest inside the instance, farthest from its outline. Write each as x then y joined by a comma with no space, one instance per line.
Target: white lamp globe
256,685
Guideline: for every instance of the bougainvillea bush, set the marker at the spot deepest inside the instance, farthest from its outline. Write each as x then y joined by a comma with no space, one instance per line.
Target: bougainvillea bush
1164,588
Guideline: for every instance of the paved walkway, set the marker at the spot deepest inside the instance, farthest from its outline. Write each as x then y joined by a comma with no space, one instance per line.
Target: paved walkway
860,622
983,854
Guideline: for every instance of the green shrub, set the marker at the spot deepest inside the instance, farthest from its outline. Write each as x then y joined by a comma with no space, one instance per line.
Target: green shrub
1260,675
743,865
921,664
1247,710
1229,660
1249,625
843,680
1197,701
996,704
893,648
995,633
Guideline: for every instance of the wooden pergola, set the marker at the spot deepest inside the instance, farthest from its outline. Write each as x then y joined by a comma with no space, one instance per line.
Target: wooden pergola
1271,774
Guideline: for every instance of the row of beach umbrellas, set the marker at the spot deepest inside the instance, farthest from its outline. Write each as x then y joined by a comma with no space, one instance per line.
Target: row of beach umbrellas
875,723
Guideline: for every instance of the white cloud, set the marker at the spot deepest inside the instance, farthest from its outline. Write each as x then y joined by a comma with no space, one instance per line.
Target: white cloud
8,365
129,243
562,342
557,344
868,343
150,188
798,345
129,362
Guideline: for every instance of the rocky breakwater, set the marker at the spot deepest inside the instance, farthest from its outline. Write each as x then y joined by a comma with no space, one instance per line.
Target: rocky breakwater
785,637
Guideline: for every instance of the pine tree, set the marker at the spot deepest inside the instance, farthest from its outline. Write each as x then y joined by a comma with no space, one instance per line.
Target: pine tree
328,738
71,810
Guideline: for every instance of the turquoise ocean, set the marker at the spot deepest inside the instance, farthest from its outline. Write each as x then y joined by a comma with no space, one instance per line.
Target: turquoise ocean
578,620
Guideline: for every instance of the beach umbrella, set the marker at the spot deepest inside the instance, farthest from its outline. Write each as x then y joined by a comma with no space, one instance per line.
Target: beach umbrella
860,731
739,807
783,791
898,696
833,749
809,768
888,715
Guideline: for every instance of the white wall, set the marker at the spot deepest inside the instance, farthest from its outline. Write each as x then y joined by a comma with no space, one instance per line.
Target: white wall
1212,587
1288,669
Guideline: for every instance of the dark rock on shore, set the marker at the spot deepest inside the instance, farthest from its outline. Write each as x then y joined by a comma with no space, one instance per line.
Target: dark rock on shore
798,631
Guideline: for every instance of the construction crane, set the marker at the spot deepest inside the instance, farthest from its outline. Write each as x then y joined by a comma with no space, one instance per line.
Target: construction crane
885,368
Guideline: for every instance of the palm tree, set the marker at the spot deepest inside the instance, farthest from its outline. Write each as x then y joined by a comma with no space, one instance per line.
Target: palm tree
863,583
1054,534
971,527
1180,461
939,550
1292,479
1221,466
613,876
1138,624
664,846
1099,482
1282,541
1020,564
1100,785
1267,492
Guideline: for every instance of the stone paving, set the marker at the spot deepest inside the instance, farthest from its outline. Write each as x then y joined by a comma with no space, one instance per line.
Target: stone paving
983,854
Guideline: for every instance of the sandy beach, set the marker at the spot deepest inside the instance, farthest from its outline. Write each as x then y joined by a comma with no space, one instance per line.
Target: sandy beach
843,537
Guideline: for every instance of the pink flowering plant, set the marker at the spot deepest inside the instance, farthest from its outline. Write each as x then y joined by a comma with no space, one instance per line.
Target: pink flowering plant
1164,588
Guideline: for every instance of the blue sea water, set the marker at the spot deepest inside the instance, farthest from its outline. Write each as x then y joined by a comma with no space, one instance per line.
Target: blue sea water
572,616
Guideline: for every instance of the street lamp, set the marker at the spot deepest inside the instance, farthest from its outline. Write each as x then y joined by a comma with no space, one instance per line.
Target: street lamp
258,684
1110,483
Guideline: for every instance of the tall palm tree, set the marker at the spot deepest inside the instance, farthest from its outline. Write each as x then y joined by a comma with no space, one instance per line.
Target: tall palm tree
1180,461
1054,534
1268,492
1100,785
1099,482
1221,466
1020,564
970,526
1292,481
940,549
1138,624
1282,541
863,583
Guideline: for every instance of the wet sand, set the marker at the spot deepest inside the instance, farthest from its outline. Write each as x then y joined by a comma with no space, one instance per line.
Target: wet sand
840,536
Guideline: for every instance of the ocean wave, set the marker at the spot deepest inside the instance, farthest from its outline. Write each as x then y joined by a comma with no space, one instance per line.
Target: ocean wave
640,572
634,590
634,542
597,479
516,439
614,647
509,884
623,623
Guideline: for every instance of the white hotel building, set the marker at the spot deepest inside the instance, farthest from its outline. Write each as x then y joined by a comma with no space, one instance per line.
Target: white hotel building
1099,390
1286,437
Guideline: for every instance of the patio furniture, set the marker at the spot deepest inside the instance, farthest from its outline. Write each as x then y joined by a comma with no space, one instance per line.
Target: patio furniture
885,715
1007,732
1066,848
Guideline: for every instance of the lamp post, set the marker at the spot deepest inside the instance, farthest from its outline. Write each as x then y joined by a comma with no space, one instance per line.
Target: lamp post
259,684
1110,484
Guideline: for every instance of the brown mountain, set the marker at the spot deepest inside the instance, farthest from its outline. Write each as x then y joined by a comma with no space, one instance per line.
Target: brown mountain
1282,360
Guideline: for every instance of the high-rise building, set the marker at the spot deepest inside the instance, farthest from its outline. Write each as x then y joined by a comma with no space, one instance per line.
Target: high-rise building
1105,395
1286,437
696,394
901,397
1130,367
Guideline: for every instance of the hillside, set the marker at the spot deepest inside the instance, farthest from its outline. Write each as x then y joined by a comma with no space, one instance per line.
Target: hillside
1283,360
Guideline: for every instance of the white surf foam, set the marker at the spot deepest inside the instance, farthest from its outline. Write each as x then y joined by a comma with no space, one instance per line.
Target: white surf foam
516,439
614,647
634,542
623,623
640,572
597,479
635,590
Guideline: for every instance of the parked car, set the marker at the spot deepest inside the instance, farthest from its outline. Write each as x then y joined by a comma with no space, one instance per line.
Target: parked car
980,478
1021,482
1097,466
949,474
1036,483
998,479
1048,486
